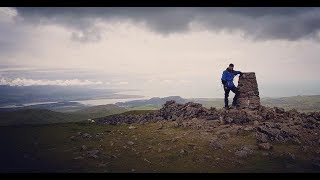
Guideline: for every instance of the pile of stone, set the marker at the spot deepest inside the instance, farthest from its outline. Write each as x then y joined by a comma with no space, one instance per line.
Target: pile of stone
270,124
173,110
248,91
170,111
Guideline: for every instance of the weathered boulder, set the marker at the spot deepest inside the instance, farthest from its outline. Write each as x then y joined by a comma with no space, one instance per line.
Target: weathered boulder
261,137
266,113
279,110
237,116
216,144
173,110
275,132
84,147
244,151
265,146
86,135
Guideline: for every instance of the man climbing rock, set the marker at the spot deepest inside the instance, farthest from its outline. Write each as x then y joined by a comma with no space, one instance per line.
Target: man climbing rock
228,85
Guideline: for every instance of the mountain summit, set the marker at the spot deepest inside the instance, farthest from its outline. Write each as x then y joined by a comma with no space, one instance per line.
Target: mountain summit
267,124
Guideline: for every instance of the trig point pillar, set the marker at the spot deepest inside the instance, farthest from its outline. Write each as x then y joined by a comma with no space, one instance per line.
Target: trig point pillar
248,91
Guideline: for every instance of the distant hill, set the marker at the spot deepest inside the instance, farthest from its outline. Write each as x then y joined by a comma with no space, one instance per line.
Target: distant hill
153,101
301,103
45,116
37,116
100,111
145,107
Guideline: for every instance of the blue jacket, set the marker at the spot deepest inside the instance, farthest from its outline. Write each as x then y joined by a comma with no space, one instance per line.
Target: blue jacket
227,77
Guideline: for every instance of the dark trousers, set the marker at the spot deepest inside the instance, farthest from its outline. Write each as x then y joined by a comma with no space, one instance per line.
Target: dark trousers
226,95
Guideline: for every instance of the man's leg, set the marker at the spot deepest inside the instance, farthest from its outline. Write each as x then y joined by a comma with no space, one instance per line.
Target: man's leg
235,98
226,96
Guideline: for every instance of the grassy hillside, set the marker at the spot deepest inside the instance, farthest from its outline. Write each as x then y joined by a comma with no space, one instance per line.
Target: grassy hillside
146,148
37,116
44,116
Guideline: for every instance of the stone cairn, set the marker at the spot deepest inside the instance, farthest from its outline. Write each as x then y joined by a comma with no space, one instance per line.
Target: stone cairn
248,91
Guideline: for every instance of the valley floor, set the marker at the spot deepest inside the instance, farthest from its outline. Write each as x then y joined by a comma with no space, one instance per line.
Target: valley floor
149,147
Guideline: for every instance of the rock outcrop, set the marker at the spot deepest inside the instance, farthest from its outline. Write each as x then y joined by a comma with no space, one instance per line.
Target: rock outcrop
248,91
173,111
269,124
170,111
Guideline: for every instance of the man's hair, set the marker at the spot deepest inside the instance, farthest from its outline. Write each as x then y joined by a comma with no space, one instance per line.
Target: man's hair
231,65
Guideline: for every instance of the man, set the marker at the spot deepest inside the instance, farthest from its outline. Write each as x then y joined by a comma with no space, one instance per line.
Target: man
227,81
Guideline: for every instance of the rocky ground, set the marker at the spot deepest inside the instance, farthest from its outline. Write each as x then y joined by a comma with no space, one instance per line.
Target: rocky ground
177,138
269,124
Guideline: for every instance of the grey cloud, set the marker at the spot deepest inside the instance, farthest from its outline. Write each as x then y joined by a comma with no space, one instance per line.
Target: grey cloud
87,35
257,23
12,38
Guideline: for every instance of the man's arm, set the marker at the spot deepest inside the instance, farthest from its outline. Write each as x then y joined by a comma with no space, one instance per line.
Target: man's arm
237,72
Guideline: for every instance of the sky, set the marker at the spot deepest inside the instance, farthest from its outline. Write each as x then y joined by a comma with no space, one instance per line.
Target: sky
161,51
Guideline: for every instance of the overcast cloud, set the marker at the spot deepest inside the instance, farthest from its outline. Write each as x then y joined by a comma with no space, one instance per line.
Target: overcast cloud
161,51
258,23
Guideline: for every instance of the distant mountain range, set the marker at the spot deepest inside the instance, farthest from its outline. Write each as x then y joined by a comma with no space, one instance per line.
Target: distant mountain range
155,101
75,112
301,103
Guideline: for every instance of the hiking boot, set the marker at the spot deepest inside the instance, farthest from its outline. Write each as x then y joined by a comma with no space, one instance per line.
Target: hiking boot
227,107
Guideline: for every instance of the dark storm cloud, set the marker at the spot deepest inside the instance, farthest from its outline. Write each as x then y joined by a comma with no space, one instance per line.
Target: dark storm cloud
257,23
